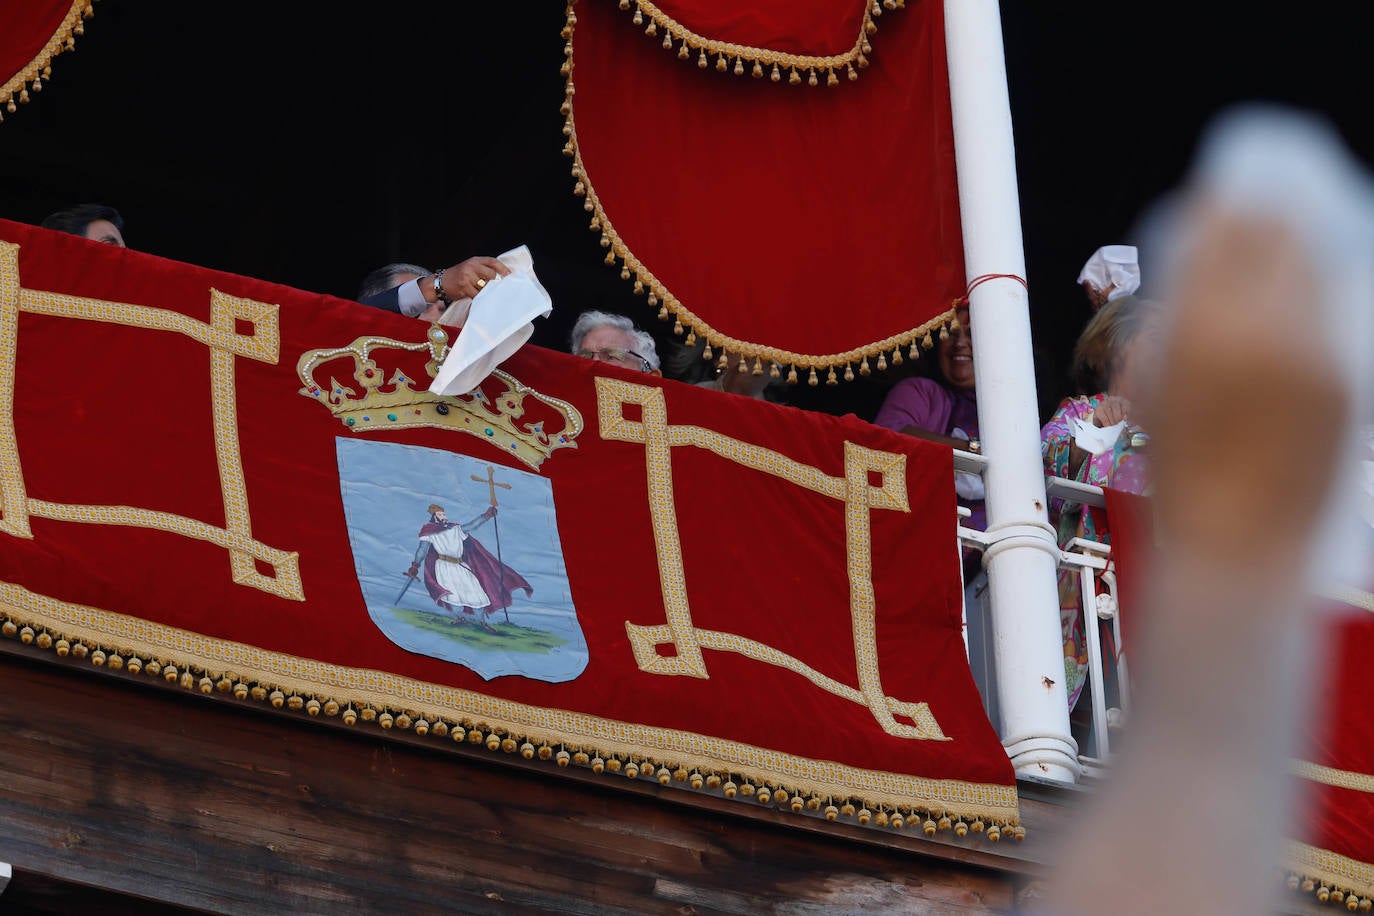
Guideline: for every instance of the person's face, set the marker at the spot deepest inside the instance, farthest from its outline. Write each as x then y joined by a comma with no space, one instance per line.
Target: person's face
600,340
956,354
102,230
441,516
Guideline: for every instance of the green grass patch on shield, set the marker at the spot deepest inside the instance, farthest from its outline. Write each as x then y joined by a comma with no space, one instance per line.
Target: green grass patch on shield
508,637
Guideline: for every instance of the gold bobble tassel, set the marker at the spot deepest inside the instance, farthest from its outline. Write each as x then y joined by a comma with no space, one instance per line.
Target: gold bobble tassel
757,71
721,63
847,809
651,30
744,364
862,61
896,357
775,371
664,776
624,273
813,381
691,339
915,350
811,78
701,61
791,375
848,373
994,833
677,327
639,285
944,333
794,78
652,300
877,8
863,366
833,80
624,4
739,67
944,822
23,96
880,819
960,829
865,47
696,781
706,353
1323,893
724,362
830,377
758,366
954,323
638,18
776,75
684,52
927,341
870,27
853,74
667,41
609,259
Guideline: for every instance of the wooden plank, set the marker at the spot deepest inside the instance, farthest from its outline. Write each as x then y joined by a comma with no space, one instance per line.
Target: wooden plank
165,795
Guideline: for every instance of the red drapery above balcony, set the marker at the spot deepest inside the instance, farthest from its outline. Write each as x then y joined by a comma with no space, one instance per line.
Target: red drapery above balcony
34,32
815,228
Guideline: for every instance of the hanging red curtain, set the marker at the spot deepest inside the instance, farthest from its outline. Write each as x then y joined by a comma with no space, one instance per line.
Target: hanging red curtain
34,33
808,218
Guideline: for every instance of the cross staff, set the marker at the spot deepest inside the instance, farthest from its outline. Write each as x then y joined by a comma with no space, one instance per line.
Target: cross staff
490,481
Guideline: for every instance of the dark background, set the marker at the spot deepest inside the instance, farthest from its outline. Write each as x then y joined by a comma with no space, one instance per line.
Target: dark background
307,144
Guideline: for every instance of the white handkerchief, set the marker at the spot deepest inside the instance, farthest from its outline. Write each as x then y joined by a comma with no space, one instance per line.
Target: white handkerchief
1095,439
497,324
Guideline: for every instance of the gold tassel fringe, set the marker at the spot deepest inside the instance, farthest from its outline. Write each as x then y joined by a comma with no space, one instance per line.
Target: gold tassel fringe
797,799
756,61
32,74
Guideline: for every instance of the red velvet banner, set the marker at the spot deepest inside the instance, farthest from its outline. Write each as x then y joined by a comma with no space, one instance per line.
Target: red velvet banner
813,228
33,33
243,487
1331,851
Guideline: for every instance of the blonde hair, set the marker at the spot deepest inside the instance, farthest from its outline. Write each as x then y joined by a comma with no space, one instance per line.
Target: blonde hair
1105,338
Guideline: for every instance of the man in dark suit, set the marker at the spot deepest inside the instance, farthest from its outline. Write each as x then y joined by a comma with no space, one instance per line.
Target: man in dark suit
415,292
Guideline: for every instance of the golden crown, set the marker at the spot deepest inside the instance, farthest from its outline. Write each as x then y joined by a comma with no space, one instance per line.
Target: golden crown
487,412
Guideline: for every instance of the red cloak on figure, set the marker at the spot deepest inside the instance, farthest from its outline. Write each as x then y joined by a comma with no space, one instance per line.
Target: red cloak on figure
497,579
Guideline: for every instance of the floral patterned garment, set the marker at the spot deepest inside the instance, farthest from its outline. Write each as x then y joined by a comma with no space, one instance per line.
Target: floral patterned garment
1123,468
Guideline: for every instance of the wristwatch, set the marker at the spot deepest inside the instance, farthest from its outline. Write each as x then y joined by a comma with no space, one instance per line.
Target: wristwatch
439,288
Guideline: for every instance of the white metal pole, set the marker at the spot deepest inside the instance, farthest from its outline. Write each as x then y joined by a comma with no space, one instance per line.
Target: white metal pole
1022,557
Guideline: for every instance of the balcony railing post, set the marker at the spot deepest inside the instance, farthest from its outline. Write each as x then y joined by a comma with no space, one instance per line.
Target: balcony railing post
1022,556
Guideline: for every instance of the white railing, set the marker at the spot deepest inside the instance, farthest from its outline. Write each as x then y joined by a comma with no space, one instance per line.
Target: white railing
1090,560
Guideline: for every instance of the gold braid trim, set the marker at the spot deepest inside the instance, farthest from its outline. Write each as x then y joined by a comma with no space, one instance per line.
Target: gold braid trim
689,42
687,322
1332,877
1330,776
31,75
1347,594
835,791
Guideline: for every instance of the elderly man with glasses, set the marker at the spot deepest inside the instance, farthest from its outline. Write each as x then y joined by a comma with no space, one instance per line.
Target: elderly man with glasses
614,339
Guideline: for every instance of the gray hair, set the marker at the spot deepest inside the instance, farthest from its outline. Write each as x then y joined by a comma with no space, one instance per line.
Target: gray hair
591,320
384,278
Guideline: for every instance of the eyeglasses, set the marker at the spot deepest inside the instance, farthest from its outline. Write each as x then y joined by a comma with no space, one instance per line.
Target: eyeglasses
615,355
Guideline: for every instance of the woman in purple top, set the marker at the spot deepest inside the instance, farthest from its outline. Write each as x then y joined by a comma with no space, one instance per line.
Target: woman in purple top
943,411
